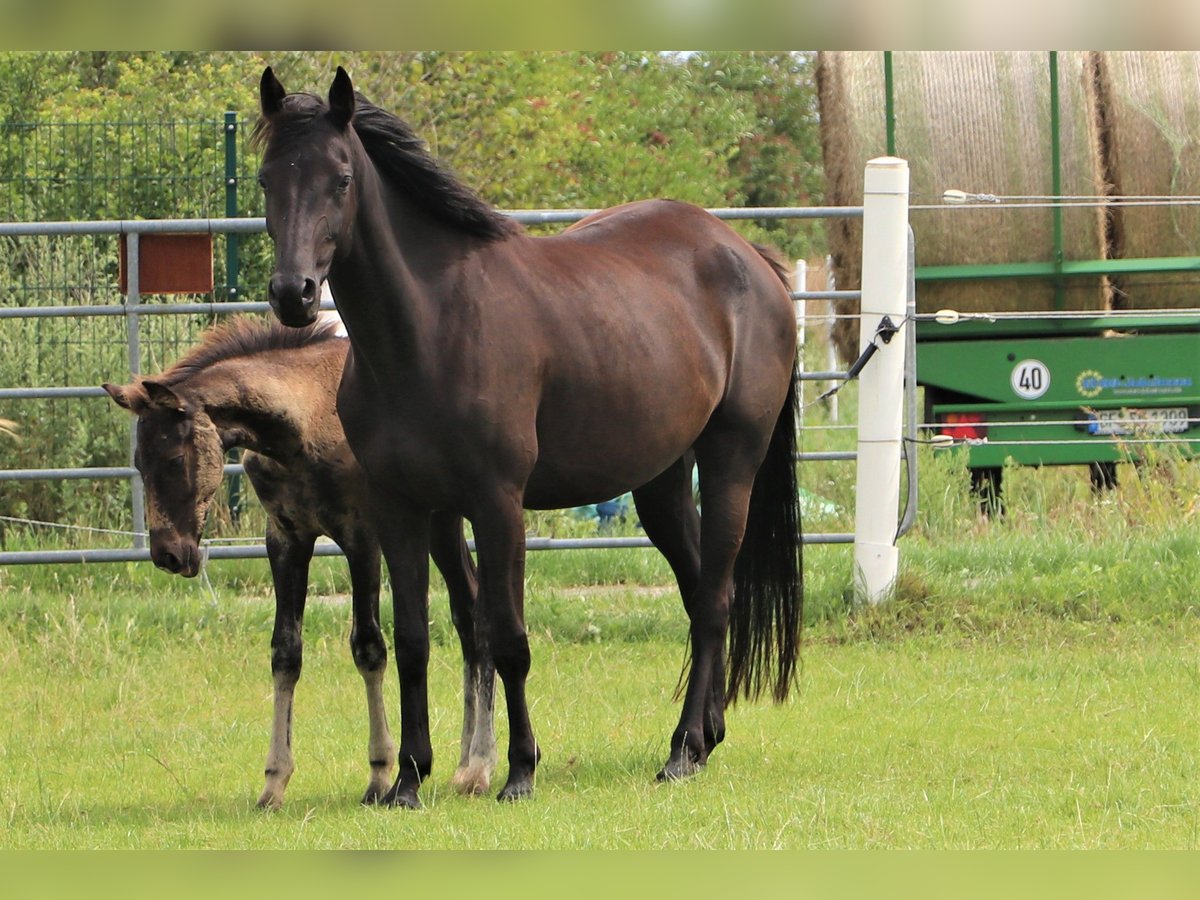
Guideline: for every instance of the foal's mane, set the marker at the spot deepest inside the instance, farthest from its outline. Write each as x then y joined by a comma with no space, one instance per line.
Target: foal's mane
401,157
242,337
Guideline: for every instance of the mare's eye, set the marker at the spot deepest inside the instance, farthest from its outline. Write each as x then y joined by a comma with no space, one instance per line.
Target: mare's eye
262,182
345,181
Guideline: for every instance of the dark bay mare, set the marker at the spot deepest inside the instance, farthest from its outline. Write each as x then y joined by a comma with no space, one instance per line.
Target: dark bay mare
271,390
492,371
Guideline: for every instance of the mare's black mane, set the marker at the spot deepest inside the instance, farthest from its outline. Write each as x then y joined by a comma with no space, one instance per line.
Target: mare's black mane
401,157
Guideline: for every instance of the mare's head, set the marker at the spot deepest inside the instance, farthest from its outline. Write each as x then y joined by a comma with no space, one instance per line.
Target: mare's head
308,177
180,456
324,162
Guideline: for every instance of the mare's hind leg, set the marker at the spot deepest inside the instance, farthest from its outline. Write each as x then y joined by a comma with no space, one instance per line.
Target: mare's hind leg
369,650
289,556
477,759
670,519
728,460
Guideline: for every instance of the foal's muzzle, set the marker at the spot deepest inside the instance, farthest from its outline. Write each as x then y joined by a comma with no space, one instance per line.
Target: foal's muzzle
179,556
296,300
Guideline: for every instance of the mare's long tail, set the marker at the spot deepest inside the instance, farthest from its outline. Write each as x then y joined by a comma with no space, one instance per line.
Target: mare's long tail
768,580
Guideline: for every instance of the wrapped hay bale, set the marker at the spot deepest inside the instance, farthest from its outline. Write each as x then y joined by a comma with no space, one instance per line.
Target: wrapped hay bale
850,132
976,121
1152,108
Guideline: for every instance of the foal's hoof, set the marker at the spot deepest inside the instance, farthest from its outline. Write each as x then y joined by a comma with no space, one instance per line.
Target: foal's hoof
372,796
380,783
277,778
270,801
472,780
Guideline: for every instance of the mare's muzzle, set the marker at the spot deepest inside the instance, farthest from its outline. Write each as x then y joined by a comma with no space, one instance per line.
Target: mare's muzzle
295,299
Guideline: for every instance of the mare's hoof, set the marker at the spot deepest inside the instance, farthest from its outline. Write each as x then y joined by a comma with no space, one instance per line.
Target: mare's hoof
516,790
404,798
679,769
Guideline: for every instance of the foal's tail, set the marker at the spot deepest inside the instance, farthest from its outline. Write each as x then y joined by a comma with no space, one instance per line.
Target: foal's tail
768,580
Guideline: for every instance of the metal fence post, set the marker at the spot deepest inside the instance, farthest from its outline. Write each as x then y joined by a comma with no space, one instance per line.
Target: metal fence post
231,273
800,285
881,384
231,206
133,297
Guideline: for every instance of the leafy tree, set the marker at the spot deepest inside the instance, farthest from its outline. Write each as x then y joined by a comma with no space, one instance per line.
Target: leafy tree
778,161
100,134
563,129
527,129
144,137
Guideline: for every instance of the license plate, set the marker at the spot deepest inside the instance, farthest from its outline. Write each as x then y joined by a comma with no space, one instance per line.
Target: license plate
1168,420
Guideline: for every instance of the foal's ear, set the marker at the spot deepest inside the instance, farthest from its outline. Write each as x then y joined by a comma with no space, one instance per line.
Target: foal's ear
234,437
162,397
341,99
127,396
270,93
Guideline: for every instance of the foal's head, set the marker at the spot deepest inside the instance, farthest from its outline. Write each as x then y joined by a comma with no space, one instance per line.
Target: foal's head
180,456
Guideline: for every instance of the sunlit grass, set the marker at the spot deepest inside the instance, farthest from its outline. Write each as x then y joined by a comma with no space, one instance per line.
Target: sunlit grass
150,731
1029,684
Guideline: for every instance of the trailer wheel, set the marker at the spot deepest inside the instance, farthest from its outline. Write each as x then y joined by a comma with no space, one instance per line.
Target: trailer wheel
986,488
1103,475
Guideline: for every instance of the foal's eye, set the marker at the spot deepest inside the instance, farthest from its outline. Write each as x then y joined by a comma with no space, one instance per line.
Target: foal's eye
344,182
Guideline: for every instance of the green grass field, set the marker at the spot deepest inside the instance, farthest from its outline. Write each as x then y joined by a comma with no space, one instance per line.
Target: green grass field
1033,684
127,728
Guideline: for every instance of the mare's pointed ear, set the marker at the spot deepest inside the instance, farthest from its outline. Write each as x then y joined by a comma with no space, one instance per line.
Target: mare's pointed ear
341,99
162,397
270,93
127,396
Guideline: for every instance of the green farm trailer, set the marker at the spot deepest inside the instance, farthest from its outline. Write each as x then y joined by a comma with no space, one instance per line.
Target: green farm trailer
1066,387
1086,390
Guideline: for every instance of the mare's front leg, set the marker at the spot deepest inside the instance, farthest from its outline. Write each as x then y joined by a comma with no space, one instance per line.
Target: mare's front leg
500,546
477,758
369,650
289,555
403,533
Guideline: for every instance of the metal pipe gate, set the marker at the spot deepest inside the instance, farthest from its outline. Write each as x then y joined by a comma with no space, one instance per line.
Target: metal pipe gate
133,308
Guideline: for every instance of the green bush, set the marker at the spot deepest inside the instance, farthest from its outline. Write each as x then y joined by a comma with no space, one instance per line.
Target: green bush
98,135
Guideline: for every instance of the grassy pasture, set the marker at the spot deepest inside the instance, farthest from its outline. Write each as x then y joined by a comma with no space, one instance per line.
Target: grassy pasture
132,729
1033,684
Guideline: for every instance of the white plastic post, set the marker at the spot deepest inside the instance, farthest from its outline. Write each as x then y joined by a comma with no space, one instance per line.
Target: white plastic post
881,383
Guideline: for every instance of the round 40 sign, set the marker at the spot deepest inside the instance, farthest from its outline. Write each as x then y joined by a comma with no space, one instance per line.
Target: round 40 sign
1030,379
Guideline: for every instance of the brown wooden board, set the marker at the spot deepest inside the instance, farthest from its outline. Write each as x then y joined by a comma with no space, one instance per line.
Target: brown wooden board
171,264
